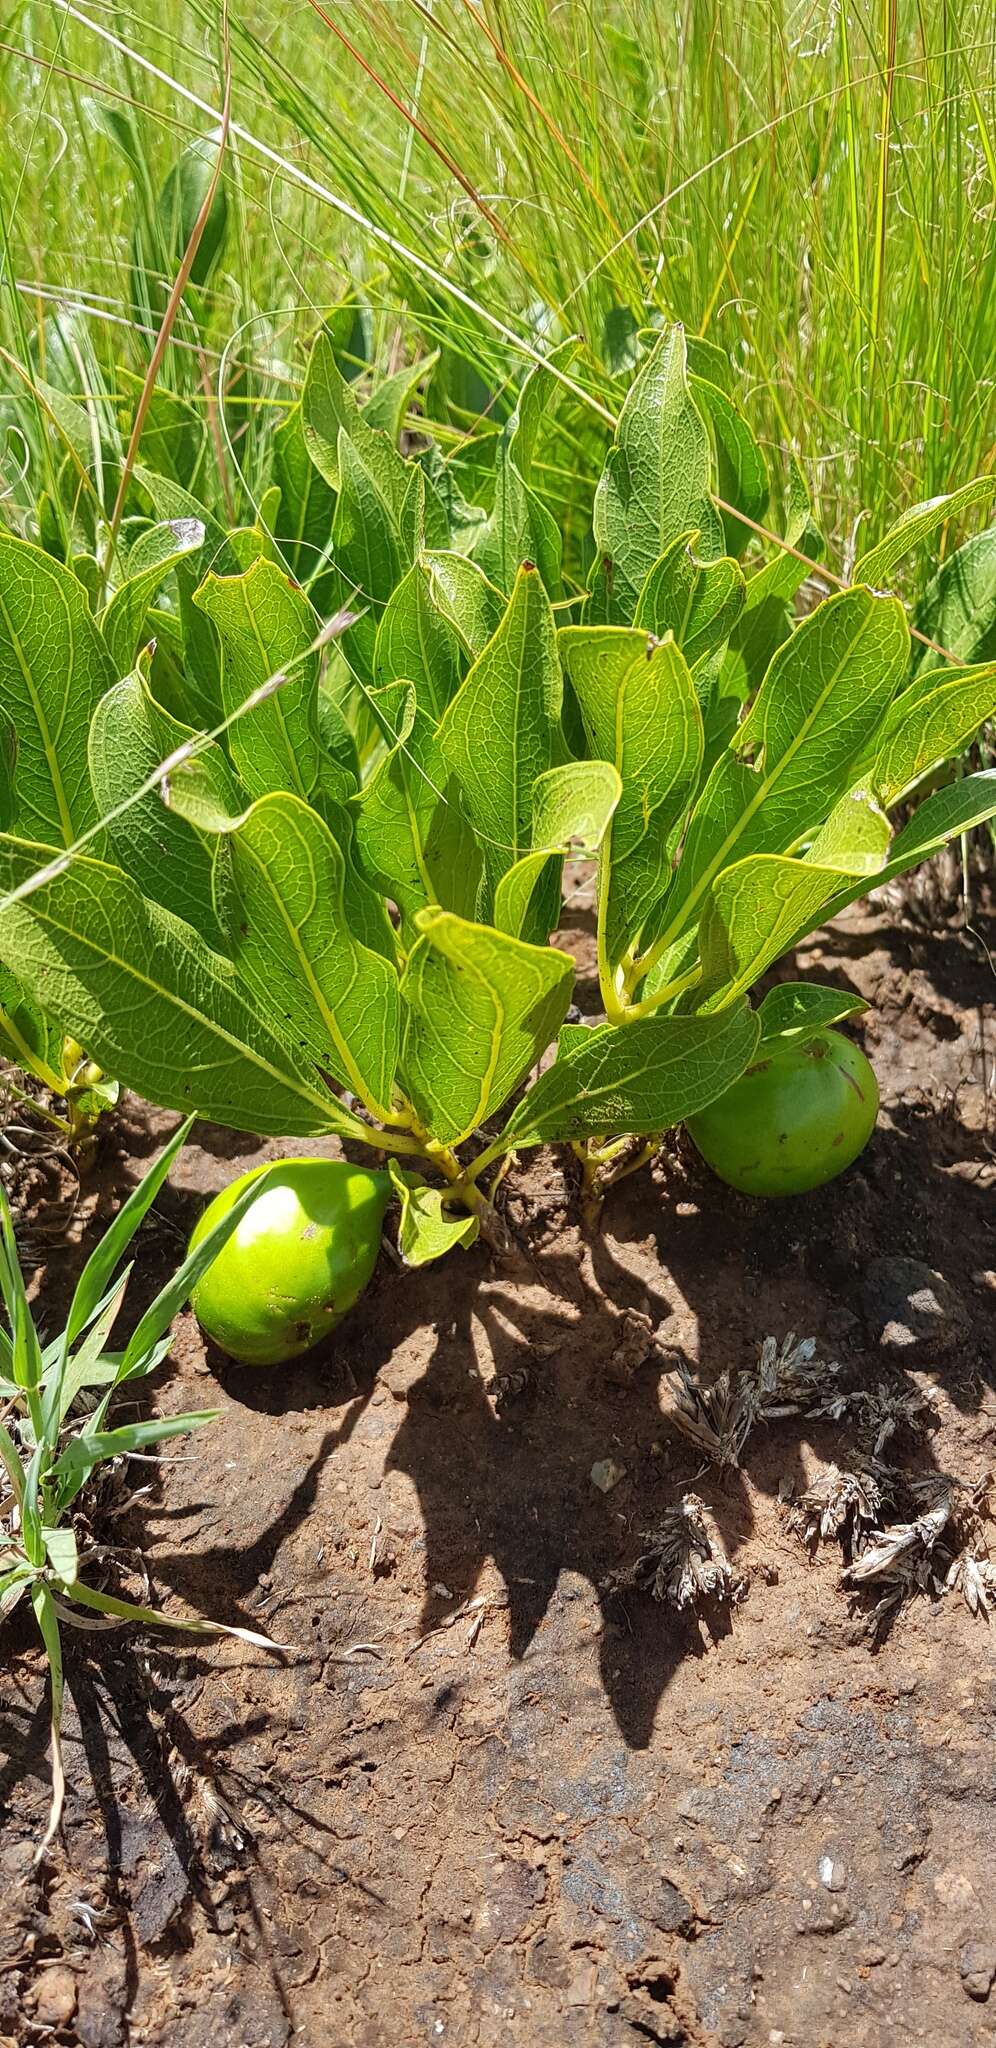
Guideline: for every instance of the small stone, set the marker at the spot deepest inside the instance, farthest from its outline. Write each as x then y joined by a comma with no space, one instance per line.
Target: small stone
956,1891
909,1304
977,1964
55,1997
605,1474
832,1873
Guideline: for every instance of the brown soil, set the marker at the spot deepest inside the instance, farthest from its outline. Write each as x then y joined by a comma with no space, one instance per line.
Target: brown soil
483,1799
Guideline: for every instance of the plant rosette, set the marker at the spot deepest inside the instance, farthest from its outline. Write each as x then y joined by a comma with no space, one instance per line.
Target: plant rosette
296,865
795,1120
298,1260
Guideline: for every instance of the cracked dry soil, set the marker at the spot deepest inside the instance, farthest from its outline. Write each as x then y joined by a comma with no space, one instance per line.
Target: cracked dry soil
482,1799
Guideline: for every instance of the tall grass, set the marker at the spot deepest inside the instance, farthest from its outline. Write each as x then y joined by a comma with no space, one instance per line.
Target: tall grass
812,186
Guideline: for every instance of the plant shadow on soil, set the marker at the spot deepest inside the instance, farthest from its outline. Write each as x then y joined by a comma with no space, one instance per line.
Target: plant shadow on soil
509,1481
512,1482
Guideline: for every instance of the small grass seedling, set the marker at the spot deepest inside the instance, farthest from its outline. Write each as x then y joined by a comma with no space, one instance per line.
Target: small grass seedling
54,1432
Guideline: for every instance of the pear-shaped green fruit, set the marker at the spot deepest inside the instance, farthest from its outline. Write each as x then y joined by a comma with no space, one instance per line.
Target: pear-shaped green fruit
794,1120
301,1256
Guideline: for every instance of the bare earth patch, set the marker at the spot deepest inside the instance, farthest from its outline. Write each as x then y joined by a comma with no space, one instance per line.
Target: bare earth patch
496,1792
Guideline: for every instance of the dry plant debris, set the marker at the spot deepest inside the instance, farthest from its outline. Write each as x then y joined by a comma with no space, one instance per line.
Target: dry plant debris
939,1547
783,1381
842,1505
684,1563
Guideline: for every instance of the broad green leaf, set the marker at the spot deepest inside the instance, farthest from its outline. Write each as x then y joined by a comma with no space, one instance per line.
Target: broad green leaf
412,836
53,669
655,485
250,544
153,557
424,521
367,549
329,409
795,1010
463,520
426,1228
199,702
741,470
172,502
28,1036
183,193
8,757
480,1008
174,436
958,608
956,808
267,511
87,571
307,502
130,736
926,727
502,729
391,397
293,945
708,359
698,602
72,424
641,713
416,644
855,838
765,621
636,1078
338,746
151,1002
790,760
268,633
754,913
463,596
62,1553
527,899
572,808
917,525
520,528
349,329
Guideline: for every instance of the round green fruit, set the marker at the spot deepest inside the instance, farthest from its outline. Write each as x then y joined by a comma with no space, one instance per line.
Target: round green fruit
300,1257
794,1120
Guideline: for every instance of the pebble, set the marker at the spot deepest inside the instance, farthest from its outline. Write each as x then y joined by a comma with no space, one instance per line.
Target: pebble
909,1304
605,1474
977,1964
55,1997
832,1874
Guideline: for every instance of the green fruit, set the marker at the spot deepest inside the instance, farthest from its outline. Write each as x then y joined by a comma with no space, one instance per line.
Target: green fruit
794,1120
301,1256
